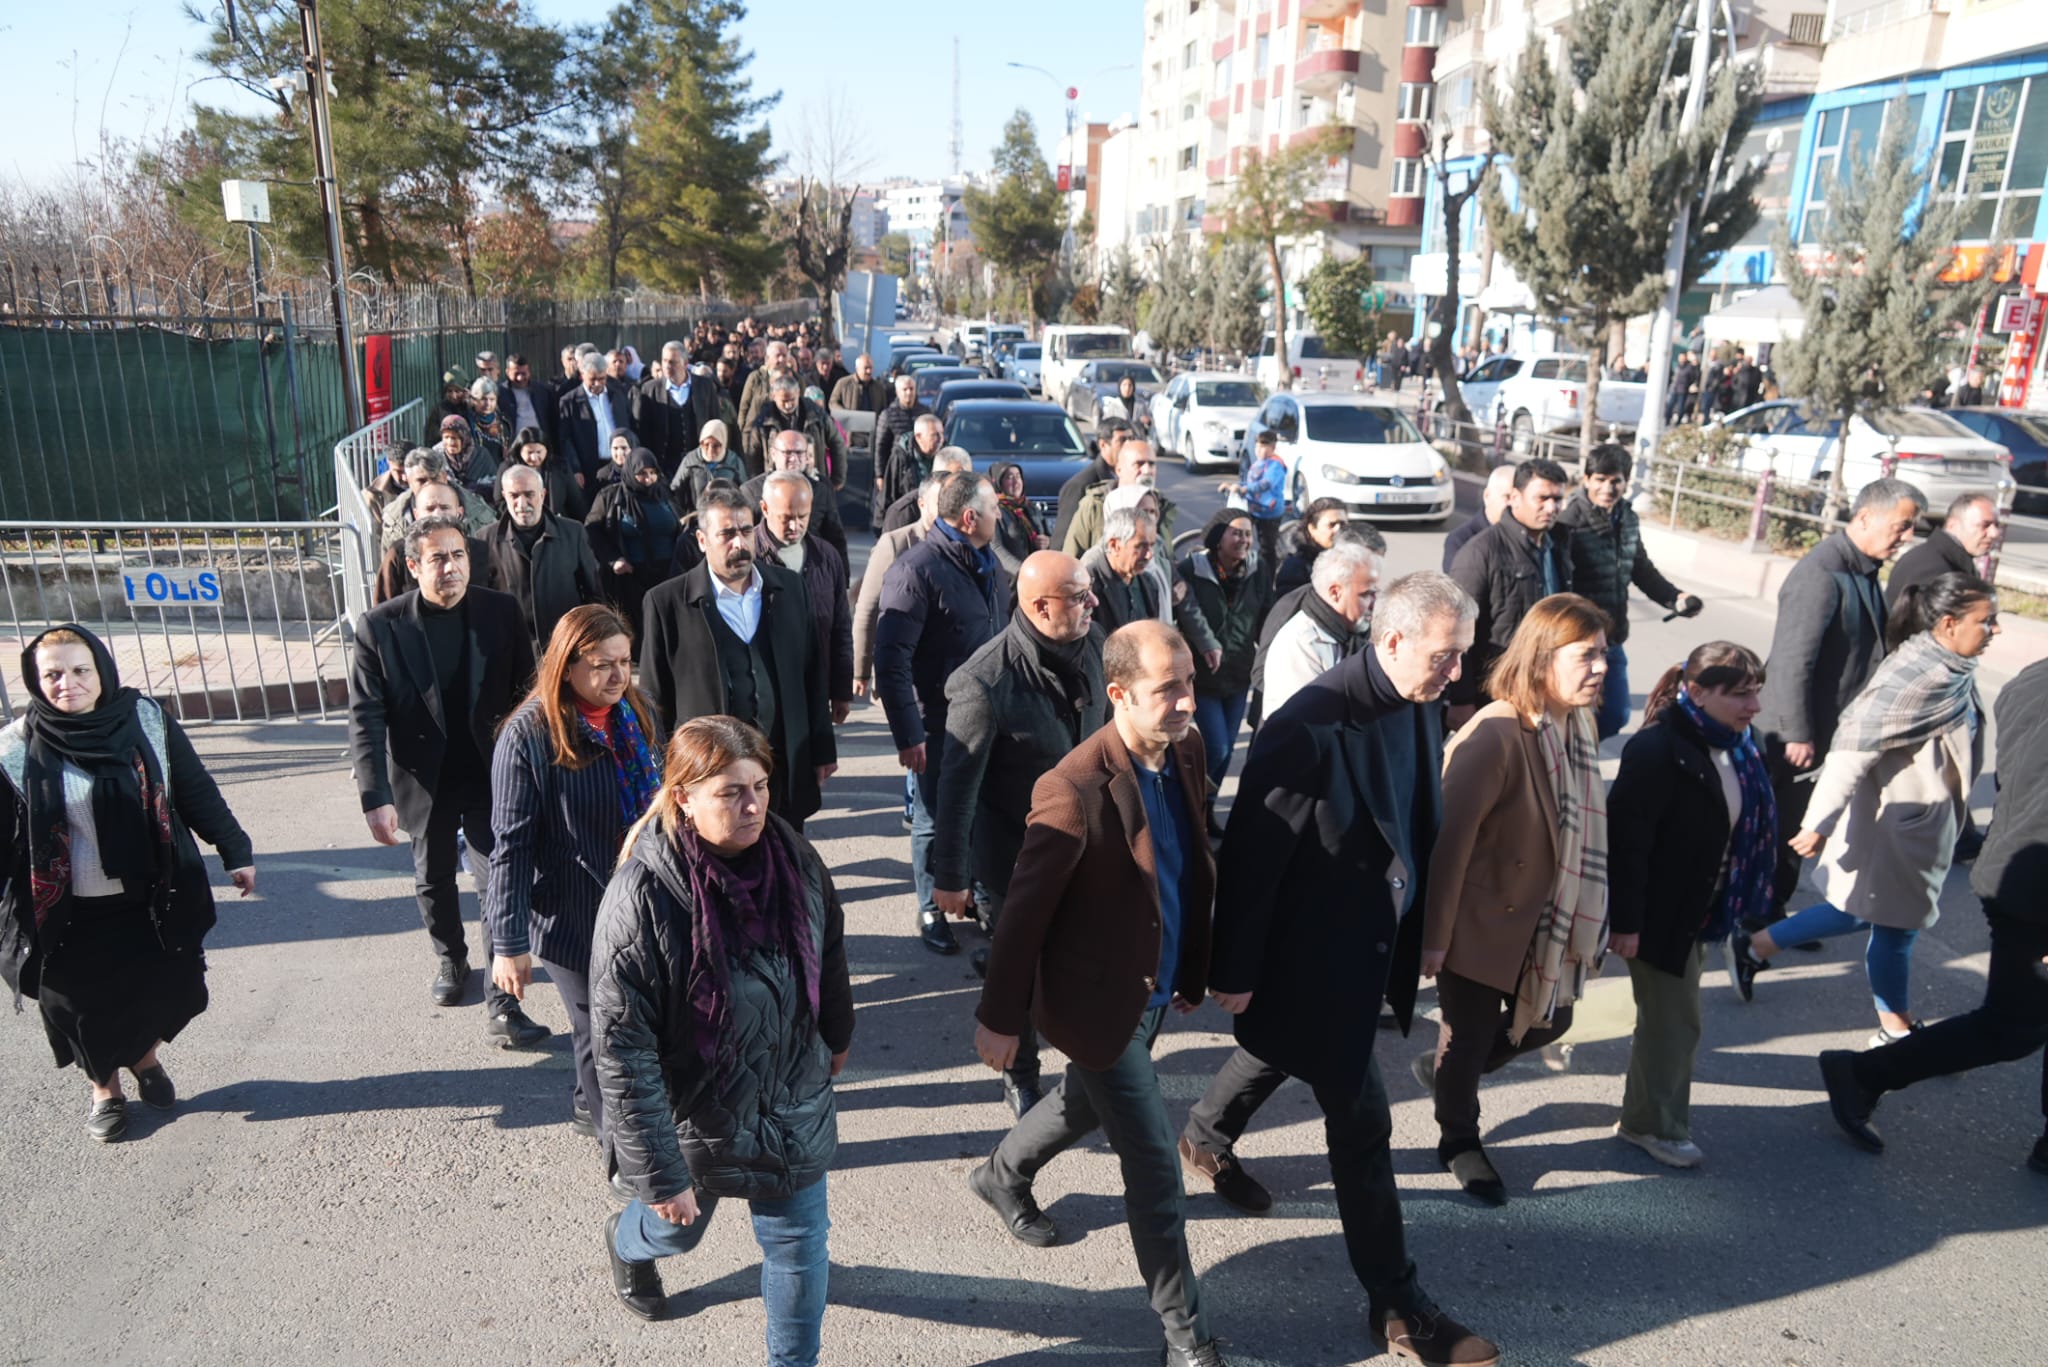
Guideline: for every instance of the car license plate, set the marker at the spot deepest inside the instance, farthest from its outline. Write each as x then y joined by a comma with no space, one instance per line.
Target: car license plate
1405,496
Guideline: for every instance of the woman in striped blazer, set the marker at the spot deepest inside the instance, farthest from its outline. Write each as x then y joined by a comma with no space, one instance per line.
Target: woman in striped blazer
575,765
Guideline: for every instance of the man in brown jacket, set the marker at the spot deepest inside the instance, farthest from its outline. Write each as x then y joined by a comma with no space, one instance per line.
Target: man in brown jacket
1105,926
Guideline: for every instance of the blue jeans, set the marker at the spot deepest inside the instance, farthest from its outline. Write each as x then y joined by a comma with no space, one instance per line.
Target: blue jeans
1888,961
794,1267
924,827
1218,719
1613,713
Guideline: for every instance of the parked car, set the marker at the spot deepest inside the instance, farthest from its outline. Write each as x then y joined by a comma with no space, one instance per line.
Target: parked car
1068,348
1926,447
1541,394
1041,439
955,391
1022,364
2025,434
892,352
931,378
1093,396
1001,338
1311,365
969,339
925,360
1201,416
1361,450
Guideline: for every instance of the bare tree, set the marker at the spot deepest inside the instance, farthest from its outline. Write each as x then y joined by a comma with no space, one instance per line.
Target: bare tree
1444,313
830,150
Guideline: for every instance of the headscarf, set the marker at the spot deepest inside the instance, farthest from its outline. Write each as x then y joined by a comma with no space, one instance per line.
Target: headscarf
635,367
1920,692
1571,932
1752,843
130,807
715,428
1012,505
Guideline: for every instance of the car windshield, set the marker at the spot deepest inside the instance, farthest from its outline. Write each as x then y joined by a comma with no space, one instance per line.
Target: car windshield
1229,394
1135,371
1908,422
2029,426
1029,351
1310,344
1017,434
1098,344
1359,426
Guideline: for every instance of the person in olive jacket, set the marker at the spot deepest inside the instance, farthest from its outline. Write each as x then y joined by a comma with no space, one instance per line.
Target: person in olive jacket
721,1009
1220,612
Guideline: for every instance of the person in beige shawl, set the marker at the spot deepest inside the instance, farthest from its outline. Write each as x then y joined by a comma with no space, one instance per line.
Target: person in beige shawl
1515,913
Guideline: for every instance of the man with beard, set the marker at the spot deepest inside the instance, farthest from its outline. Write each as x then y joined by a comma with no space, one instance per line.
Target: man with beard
1136,466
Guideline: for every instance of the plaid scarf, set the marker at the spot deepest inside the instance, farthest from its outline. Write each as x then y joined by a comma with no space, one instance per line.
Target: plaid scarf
1752,847
1571,934
1920,692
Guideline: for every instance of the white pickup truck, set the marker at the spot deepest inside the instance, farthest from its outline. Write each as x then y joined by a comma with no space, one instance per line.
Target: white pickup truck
1542,394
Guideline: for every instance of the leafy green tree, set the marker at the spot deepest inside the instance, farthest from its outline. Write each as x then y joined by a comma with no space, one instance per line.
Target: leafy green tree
1017,226
895,252
1601,166
1337,297
1270,203
595,165
1870,285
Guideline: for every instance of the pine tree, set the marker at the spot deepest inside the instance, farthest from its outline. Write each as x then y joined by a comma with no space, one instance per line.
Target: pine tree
1122,283
1017,226
1594,145
1871,286
1175,320
1232,297
1270,202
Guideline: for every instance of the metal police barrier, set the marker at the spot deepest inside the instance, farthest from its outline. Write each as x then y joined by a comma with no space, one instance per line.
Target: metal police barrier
219,621
356,457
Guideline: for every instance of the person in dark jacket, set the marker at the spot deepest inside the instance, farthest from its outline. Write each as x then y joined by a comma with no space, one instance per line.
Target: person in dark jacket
787,410
721,1007
1681,403
542,560
633,528
942,600
1827,642
1021,529
911,462
1300,542
713,459
1969,532
107,904
783,537
1318,922
527,401
863,391
2012,1022
469,465
1607,557
587,415
1509,568
1107,928
575,766
1220,616
1126,590
671,406
1493,501
435,671
734,637
1288,605
895,424
1110,440
1692,835
947,460
1017,706
796,452
565,496
393,575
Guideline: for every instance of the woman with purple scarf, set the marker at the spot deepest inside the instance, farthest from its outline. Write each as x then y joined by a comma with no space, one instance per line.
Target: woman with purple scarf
574,767
722,1012
1691,832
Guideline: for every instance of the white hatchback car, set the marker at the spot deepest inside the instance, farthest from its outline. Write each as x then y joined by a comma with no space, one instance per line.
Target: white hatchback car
1364,452
1201,416
1925,447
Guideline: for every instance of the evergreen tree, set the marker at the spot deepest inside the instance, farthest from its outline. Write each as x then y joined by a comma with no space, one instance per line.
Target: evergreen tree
1335,293
1017,226
1122,283
1232,298
1594,143
1270,202
1175,320
1871,286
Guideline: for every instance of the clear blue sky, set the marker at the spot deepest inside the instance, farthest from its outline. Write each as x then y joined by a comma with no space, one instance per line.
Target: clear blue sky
129,70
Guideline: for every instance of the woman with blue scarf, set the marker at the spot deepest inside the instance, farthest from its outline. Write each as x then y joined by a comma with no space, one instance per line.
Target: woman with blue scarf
1692,834
575,766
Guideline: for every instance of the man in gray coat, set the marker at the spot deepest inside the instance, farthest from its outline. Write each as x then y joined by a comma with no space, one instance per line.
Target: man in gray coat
1013,711
1827,643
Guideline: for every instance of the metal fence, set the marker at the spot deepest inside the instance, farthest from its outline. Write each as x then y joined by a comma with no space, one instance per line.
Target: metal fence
357,457
219,621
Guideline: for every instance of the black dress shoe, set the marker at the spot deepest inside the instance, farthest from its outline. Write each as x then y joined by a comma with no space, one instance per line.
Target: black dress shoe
638,1284
450,983
1207,1354
153,1085
1476,1174
936,934
514,1029
1851,1104
107,1120
1021,1216
1022,1093
581,1121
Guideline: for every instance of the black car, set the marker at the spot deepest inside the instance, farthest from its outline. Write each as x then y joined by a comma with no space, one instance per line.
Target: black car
2026,436
953,391
931,378
1037,436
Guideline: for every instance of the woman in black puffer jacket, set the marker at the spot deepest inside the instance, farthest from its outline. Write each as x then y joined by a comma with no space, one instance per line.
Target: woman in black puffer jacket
721,1011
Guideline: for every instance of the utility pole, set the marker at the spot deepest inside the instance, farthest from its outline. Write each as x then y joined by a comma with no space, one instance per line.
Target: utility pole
330,206
954,147
1657,380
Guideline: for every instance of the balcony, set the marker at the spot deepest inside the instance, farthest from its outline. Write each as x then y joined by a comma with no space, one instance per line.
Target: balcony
1219,109
1884,42
1323,68
1327,9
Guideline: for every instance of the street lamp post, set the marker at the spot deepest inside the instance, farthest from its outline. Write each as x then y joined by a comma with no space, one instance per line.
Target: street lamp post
1073,96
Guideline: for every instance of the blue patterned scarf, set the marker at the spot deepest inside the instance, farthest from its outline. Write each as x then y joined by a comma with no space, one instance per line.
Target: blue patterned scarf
635,771
1752,844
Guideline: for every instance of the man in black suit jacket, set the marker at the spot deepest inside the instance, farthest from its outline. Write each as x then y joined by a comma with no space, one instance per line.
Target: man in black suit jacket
583,436
1318,919
543,561
734,637
435,671
671,406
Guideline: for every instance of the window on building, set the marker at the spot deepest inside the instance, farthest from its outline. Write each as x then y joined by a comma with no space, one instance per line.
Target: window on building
1187,158
1260,52
1425,26
1390,263
1407,176
1994,156
1222,83
1187,56
1187,111
1418,101
1189,212
1304,113
1844,141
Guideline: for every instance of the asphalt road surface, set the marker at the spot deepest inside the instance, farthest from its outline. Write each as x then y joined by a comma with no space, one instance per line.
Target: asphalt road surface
355,1176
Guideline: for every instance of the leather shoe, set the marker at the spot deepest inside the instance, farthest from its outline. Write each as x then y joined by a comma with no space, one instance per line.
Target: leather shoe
1425,1334
1022,1093
638,1285
1476,1174
936,934
514,1029
154,1086
1234,1186
581,1121
1849,1101
1206,1354
450,983
107,1120
1021,1216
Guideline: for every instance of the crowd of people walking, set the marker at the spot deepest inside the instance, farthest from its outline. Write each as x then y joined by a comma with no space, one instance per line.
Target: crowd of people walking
622,718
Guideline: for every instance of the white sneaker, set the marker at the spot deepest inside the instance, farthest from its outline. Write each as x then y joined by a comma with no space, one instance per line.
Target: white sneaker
1672,1153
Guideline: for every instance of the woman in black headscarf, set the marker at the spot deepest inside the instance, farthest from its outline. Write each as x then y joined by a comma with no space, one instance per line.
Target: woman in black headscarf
107,903
633,527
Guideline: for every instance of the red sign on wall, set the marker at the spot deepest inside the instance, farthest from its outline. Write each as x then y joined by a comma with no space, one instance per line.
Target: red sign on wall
1066,179
377,374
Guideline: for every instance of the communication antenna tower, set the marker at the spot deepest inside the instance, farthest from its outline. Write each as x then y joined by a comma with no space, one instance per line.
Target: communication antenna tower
954,147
